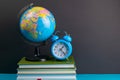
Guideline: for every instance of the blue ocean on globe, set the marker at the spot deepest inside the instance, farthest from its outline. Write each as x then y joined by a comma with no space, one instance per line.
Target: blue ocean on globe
37,24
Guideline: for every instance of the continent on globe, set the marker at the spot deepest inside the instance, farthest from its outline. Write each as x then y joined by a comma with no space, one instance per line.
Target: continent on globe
37,24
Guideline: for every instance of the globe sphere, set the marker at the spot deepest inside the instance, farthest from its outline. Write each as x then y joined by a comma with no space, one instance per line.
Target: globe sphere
37,24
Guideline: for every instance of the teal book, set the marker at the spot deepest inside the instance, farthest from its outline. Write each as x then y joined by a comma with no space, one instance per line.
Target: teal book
47,77
52,63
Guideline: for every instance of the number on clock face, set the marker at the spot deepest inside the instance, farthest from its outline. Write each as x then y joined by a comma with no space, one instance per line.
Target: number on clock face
60,49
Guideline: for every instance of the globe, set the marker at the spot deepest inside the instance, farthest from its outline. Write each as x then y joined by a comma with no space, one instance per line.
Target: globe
37,24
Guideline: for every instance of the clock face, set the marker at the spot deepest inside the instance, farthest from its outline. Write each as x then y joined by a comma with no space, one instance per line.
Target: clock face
60,50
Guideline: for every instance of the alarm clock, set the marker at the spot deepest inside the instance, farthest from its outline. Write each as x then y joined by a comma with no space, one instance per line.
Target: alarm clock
61,48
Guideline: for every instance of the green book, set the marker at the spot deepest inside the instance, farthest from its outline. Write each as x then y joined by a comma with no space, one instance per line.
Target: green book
46,71
23,70
70,63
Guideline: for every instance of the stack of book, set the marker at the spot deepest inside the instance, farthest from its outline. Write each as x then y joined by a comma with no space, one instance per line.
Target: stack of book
47,70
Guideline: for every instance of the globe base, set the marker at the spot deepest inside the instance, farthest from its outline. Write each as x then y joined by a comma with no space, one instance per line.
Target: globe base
38,58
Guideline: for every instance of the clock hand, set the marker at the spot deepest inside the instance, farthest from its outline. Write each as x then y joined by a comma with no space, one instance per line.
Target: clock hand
61,49
63,52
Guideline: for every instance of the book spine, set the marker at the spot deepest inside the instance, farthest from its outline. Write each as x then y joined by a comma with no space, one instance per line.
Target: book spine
36,75
45,72
43,79
40,70
46,78
46,66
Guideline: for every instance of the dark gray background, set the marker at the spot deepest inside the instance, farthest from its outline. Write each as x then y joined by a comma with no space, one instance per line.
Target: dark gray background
93,24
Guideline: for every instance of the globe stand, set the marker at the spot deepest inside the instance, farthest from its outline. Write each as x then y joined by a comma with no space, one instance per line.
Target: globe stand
37,55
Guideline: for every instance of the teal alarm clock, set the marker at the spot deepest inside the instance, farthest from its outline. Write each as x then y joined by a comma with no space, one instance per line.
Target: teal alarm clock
61,48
